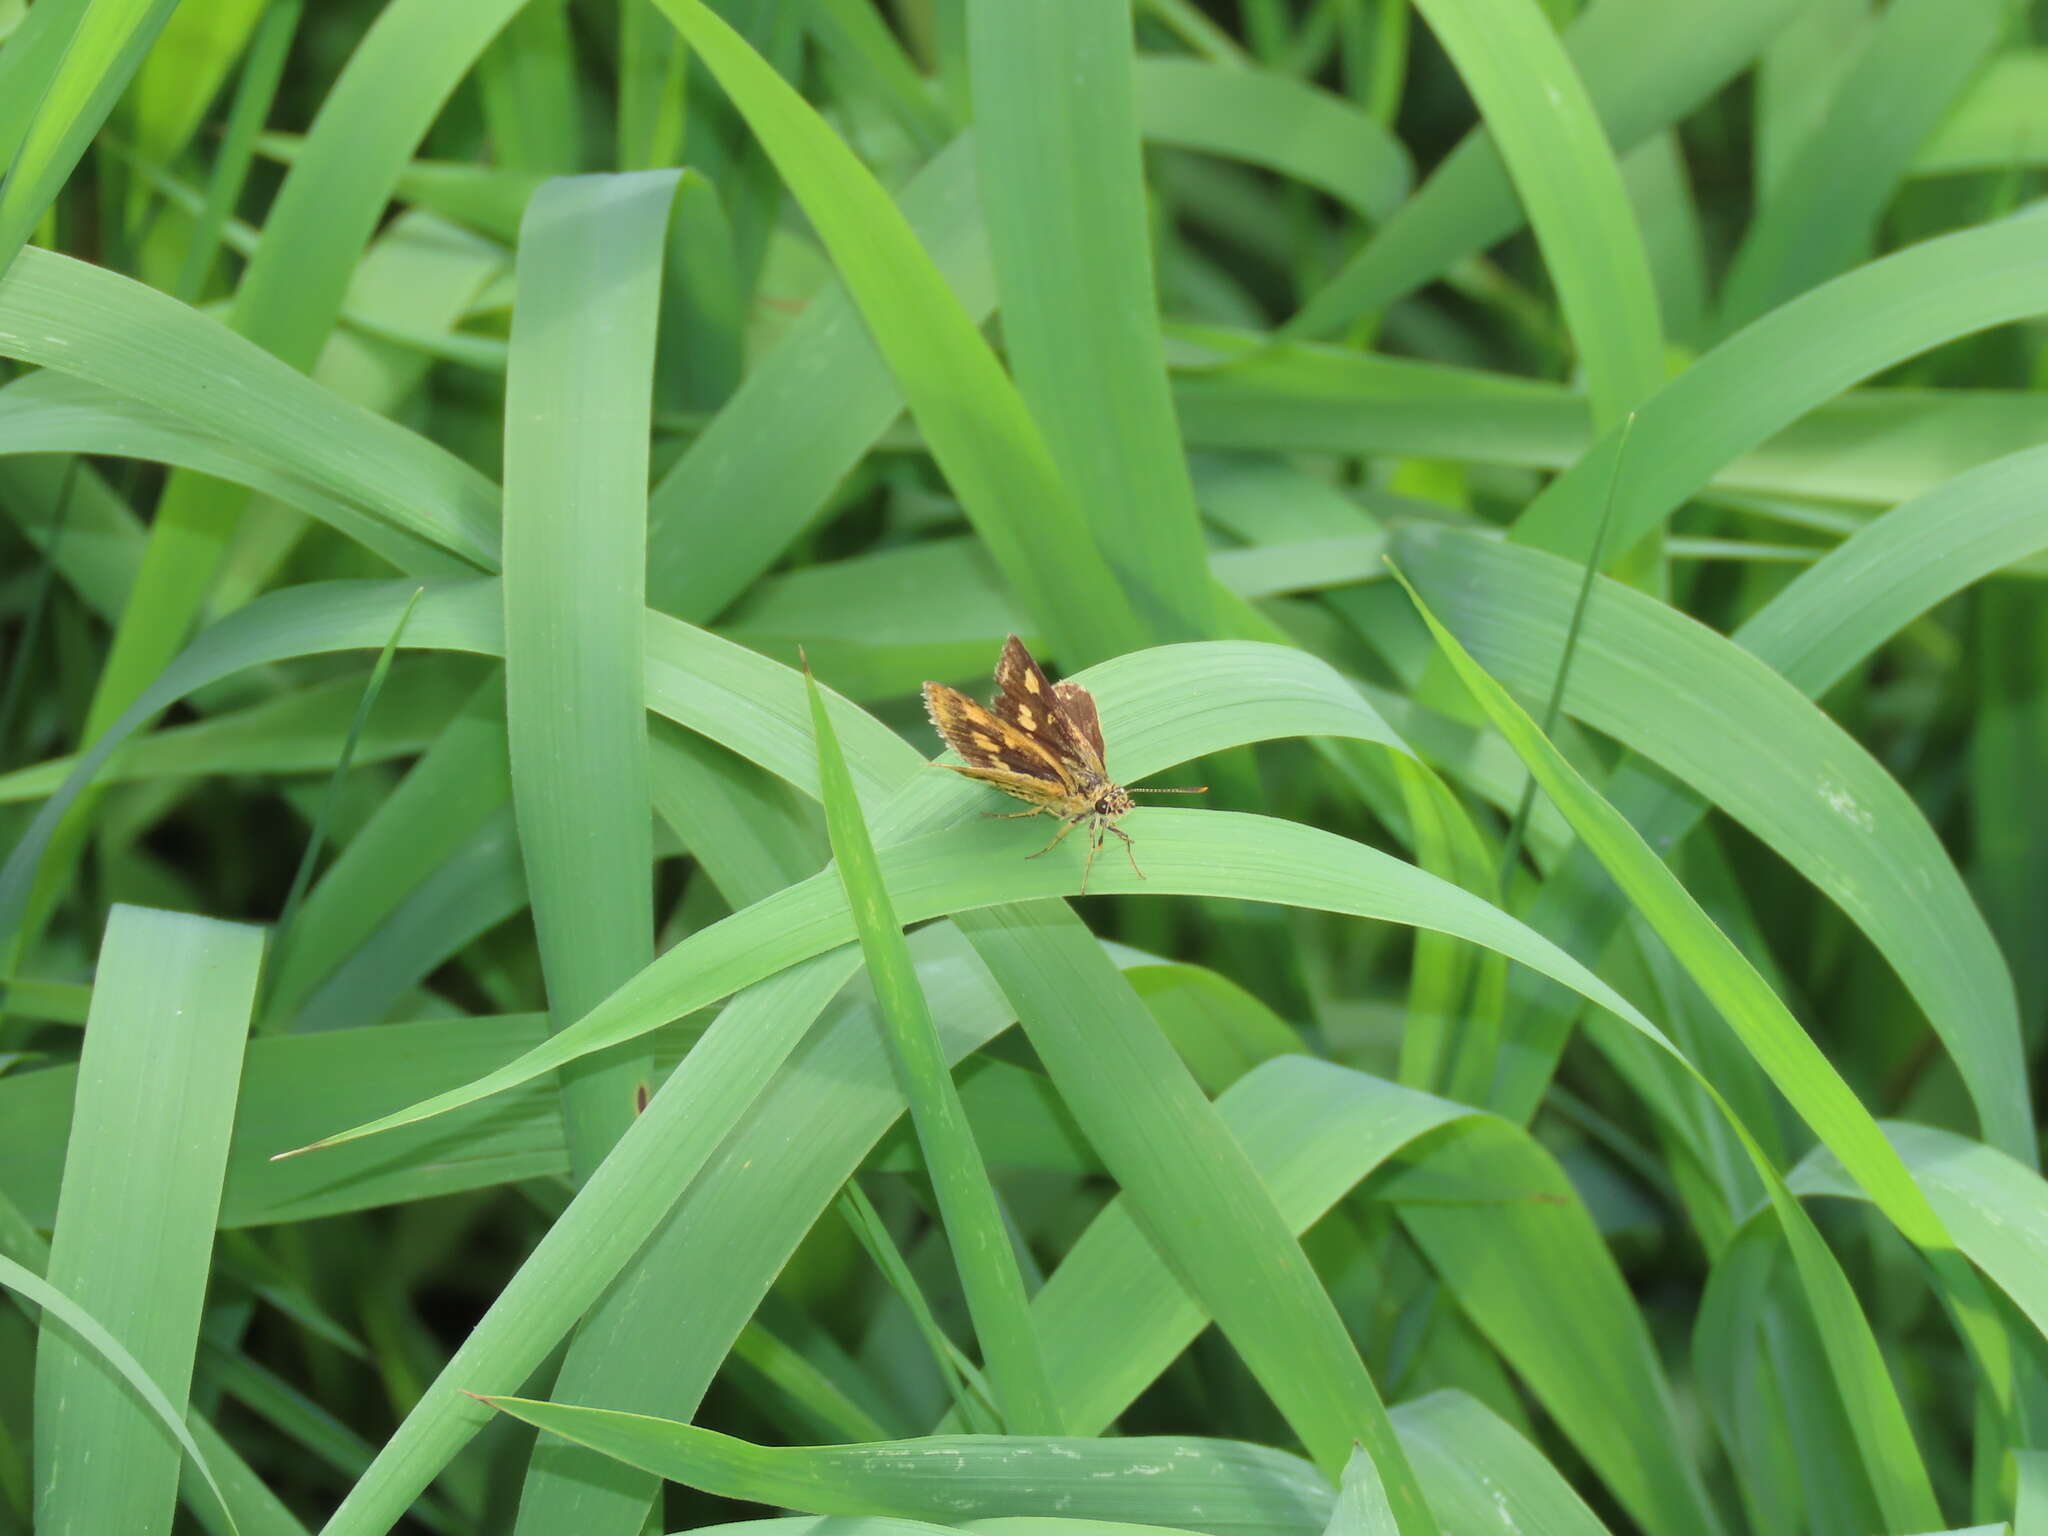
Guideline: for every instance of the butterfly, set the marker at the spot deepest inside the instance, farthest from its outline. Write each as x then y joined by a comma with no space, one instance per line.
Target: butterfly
1042,742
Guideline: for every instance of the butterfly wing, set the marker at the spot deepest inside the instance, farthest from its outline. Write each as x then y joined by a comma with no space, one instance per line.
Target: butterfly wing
995,750
1048,713
1078,705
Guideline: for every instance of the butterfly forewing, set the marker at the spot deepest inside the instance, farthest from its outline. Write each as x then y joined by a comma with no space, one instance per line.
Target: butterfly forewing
996,750
1028,700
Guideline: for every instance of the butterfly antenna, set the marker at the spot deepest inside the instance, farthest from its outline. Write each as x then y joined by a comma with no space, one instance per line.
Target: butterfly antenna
1200,789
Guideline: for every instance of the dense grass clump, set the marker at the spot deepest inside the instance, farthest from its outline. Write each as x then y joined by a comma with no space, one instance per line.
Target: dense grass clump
482,486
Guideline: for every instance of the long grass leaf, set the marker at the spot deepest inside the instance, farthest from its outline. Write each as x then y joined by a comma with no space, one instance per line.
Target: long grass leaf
967,1201
985,441
1063,198
105,48
1566,175
142,1186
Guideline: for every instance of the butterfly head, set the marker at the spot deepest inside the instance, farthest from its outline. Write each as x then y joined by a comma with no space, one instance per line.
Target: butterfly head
1112,803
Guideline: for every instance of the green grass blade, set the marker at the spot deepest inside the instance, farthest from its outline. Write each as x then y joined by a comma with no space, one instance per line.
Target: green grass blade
827,370
255,95
1551,140
974,1403
1208,1484
1114,1314
1139,1107
183,75
576,416
968,868
527,83
1480,1471
142,1186
1748,742
986,443
457,783
1994,1205
1270,119
611,1217
1063,198
367,1069
303,876
97,325
406,66
1821,214
1808,1080
89,1331
1361,1508
1642,74
967,1201
1813,634
102,53
1764,377
27,61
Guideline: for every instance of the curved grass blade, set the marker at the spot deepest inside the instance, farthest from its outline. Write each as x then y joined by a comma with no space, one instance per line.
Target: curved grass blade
749,703
1642,74
1815,1090
1538,112
27,1283
1210,853
1748,742
1063,201
978,429
101,55
1766,376
1218,1486
1271,119
1821,214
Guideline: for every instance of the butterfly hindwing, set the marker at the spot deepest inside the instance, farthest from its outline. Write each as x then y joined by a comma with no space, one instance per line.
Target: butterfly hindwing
1078,705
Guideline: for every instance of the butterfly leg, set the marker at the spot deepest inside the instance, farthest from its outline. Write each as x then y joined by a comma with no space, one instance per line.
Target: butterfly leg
1130,850
1065,828
1010,815
1094,847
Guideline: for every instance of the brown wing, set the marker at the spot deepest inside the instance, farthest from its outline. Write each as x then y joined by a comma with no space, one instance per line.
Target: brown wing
1026,699
1056,799
989,743
1078,705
